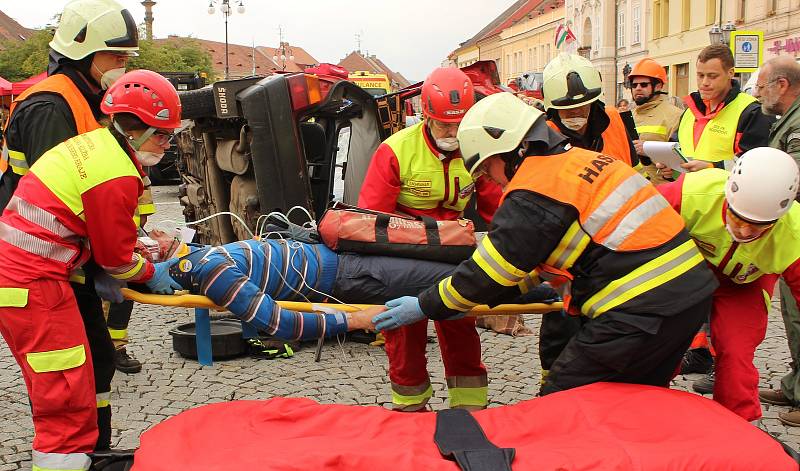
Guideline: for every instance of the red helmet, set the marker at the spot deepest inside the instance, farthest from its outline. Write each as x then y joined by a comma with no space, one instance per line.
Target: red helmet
147,95
447,94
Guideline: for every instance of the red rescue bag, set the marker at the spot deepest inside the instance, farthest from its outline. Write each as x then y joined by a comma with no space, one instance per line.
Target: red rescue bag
602,426
350,229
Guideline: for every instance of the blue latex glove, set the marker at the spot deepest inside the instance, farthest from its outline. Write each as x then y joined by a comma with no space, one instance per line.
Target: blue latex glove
161,282
402,311
108,287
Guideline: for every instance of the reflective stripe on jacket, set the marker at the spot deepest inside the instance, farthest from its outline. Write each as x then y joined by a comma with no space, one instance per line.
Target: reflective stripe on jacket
703,207
617,209
593,224
657,119
712,137
58,84
426,180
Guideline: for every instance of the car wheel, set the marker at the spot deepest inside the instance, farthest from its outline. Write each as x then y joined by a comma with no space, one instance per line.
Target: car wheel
197,103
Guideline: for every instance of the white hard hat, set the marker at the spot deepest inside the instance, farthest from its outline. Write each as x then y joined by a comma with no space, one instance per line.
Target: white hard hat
570,81
762,185
494,125
89,26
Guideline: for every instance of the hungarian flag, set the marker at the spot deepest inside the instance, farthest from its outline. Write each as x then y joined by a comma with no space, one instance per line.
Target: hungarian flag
564,34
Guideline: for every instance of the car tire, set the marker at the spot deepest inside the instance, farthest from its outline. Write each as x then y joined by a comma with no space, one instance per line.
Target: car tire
197,103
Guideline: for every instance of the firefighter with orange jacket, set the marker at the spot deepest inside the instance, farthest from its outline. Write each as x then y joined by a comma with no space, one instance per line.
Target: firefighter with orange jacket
572,91
420,171
78,201
627,263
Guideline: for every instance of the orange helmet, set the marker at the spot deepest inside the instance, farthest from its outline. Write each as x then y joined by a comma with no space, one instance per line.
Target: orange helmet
648,67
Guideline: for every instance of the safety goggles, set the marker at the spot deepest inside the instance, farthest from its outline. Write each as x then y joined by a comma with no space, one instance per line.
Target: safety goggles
739,223
163,138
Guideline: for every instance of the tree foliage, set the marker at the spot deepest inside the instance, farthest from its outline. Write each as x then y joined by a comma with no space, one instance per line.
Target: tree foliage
173,55
22,59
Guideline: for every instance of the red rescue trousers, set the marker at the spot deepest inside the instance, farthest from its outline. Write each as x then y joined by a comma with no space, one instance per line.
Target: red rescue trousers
738,326
460,345
41,323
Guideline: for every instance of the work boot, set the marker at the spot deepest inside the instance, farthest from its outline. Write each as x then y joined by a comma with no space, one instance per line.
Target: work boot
774,397
705,385
697,360
125,363
791,418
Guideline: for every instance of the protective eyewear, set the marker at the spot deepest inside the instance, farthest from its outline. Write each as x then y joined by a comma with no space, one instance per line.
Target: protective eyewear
480,171
163,138
640,84
740,222
761,86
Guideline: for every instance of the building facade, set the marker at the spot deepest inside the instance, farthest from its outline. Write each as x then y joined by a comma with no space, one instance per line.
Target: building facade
778,19
613,35
519,40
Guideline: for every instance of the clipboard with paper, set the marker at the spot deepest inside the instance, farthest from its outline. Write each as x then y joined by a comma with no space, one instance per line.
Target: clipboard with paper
667,153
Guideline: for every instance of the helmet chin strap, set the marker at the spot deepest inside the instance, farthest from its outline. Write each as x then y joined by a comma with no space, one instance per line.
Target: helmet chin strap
135,143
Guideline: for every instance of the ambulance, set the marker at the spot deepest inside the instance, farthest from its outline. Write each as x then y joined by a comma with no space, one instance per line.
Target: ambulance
374,84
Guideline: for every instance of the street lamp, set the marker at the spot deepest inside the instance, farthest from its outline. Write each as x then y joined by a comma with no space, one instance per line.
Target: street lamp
281,53
227,10
726,32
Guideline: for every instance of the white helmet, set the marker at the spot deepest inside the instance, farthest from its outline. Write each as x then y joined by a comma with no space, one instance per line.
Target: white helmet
89,26
570,81
762,185
494,125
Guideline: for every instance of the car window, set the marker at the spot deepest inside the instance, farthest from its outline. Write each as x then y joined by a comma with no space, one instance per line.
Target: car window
343,147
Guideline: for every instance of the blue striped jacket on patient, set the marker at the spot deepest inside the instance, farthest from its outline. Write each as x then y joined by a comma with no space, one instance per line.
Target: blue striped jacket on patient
247,276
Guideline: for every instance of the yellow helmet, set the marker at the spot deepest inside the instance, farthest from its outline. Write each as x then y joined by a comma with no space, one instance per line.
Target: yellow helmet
494,125
89,26
570,81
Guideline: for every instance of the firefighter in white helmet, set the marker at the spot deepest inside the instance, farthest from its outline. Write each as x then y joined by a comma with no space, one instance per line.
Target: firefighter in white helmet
572,96
747,225
89,51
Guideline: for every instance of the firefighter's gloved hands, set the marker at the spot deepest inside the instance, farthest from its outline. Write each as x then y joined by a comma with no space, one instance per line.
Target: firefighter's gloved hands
402,311
108,287
161,282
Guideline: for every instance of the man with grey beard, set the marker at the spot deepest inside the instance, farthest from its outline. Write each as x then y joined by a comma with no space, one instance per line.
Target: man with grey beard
778,89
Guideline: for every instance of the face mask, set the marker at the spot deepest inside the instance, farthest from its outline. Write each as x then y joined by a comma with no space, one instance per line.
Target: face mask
110,76
574,123
737,239
447,144
147,158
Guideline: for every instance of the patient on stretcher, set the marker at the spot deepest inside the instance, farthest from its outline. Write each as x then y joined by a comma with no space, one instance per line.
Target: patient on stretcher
246,277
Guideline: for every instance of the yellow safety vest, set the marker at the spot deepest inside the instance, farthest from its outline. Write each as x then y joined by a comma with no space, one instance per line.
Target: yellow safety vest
717,141
79,164
427,182
702,206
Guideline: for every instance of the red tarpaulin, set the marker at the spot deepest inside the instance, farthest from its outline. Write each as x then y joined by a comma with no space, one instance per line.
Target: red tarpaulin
601,426
5,87
19,87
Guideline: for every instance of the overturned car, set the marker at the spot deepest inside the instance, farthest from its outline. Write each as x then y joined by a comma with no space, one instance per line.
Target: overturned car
264,144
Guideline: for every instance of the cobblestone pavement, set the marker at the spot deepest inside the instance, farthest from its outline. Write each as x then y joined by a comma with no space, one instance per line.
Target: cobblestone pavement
349,373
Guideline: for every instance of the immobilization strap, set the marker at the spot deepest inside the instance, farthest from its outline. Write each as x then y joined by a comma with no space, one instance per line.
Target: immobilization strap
460,437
